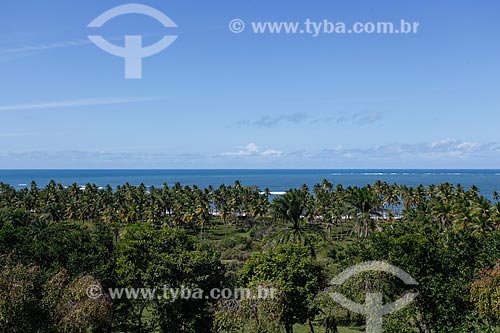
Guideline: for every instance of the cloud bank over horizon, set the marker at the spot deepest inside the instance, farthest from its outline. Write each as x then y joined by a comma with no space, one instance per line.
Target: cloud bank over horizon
438,154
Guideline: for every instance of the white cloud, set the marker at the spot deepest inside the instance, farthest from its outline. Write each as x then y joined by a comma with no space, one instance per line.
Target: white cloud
74,103
45,46
361,118
271,152
437,150
358,118
268,121
253,150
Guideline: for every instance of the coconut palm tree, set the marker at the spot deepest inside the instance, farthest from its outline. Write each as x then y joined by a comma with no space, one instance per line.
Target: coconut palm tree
367,206
291,209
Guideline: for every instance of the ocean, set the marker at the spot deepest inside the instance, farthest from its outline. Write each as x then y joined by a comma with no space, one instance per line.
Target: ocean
487,181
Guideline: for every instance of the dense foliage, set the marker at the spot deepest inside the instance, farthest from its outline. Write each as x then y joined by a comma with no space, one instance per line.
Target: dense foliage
56,242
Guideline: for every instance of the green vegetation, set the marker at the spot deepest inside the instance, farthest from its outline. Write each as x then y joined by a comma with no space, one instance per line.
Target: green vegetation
57,242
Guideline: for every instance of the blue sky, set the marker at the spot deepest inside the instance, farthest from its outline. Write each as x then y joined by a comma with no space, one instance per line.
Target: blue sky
215,99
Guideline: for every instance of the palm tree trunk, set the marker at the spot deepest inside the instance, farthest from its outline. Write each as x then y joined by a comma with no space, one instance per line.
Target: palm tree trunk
311,327
225,226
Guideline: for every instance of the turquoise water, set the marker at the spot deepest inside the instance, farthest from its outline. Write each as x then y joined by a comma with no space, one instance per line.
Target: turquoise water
276,180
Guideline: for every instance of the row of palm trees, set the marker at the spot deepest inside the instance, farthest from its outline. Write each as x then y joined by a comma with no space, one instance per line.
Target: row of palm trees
177,205
351,211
